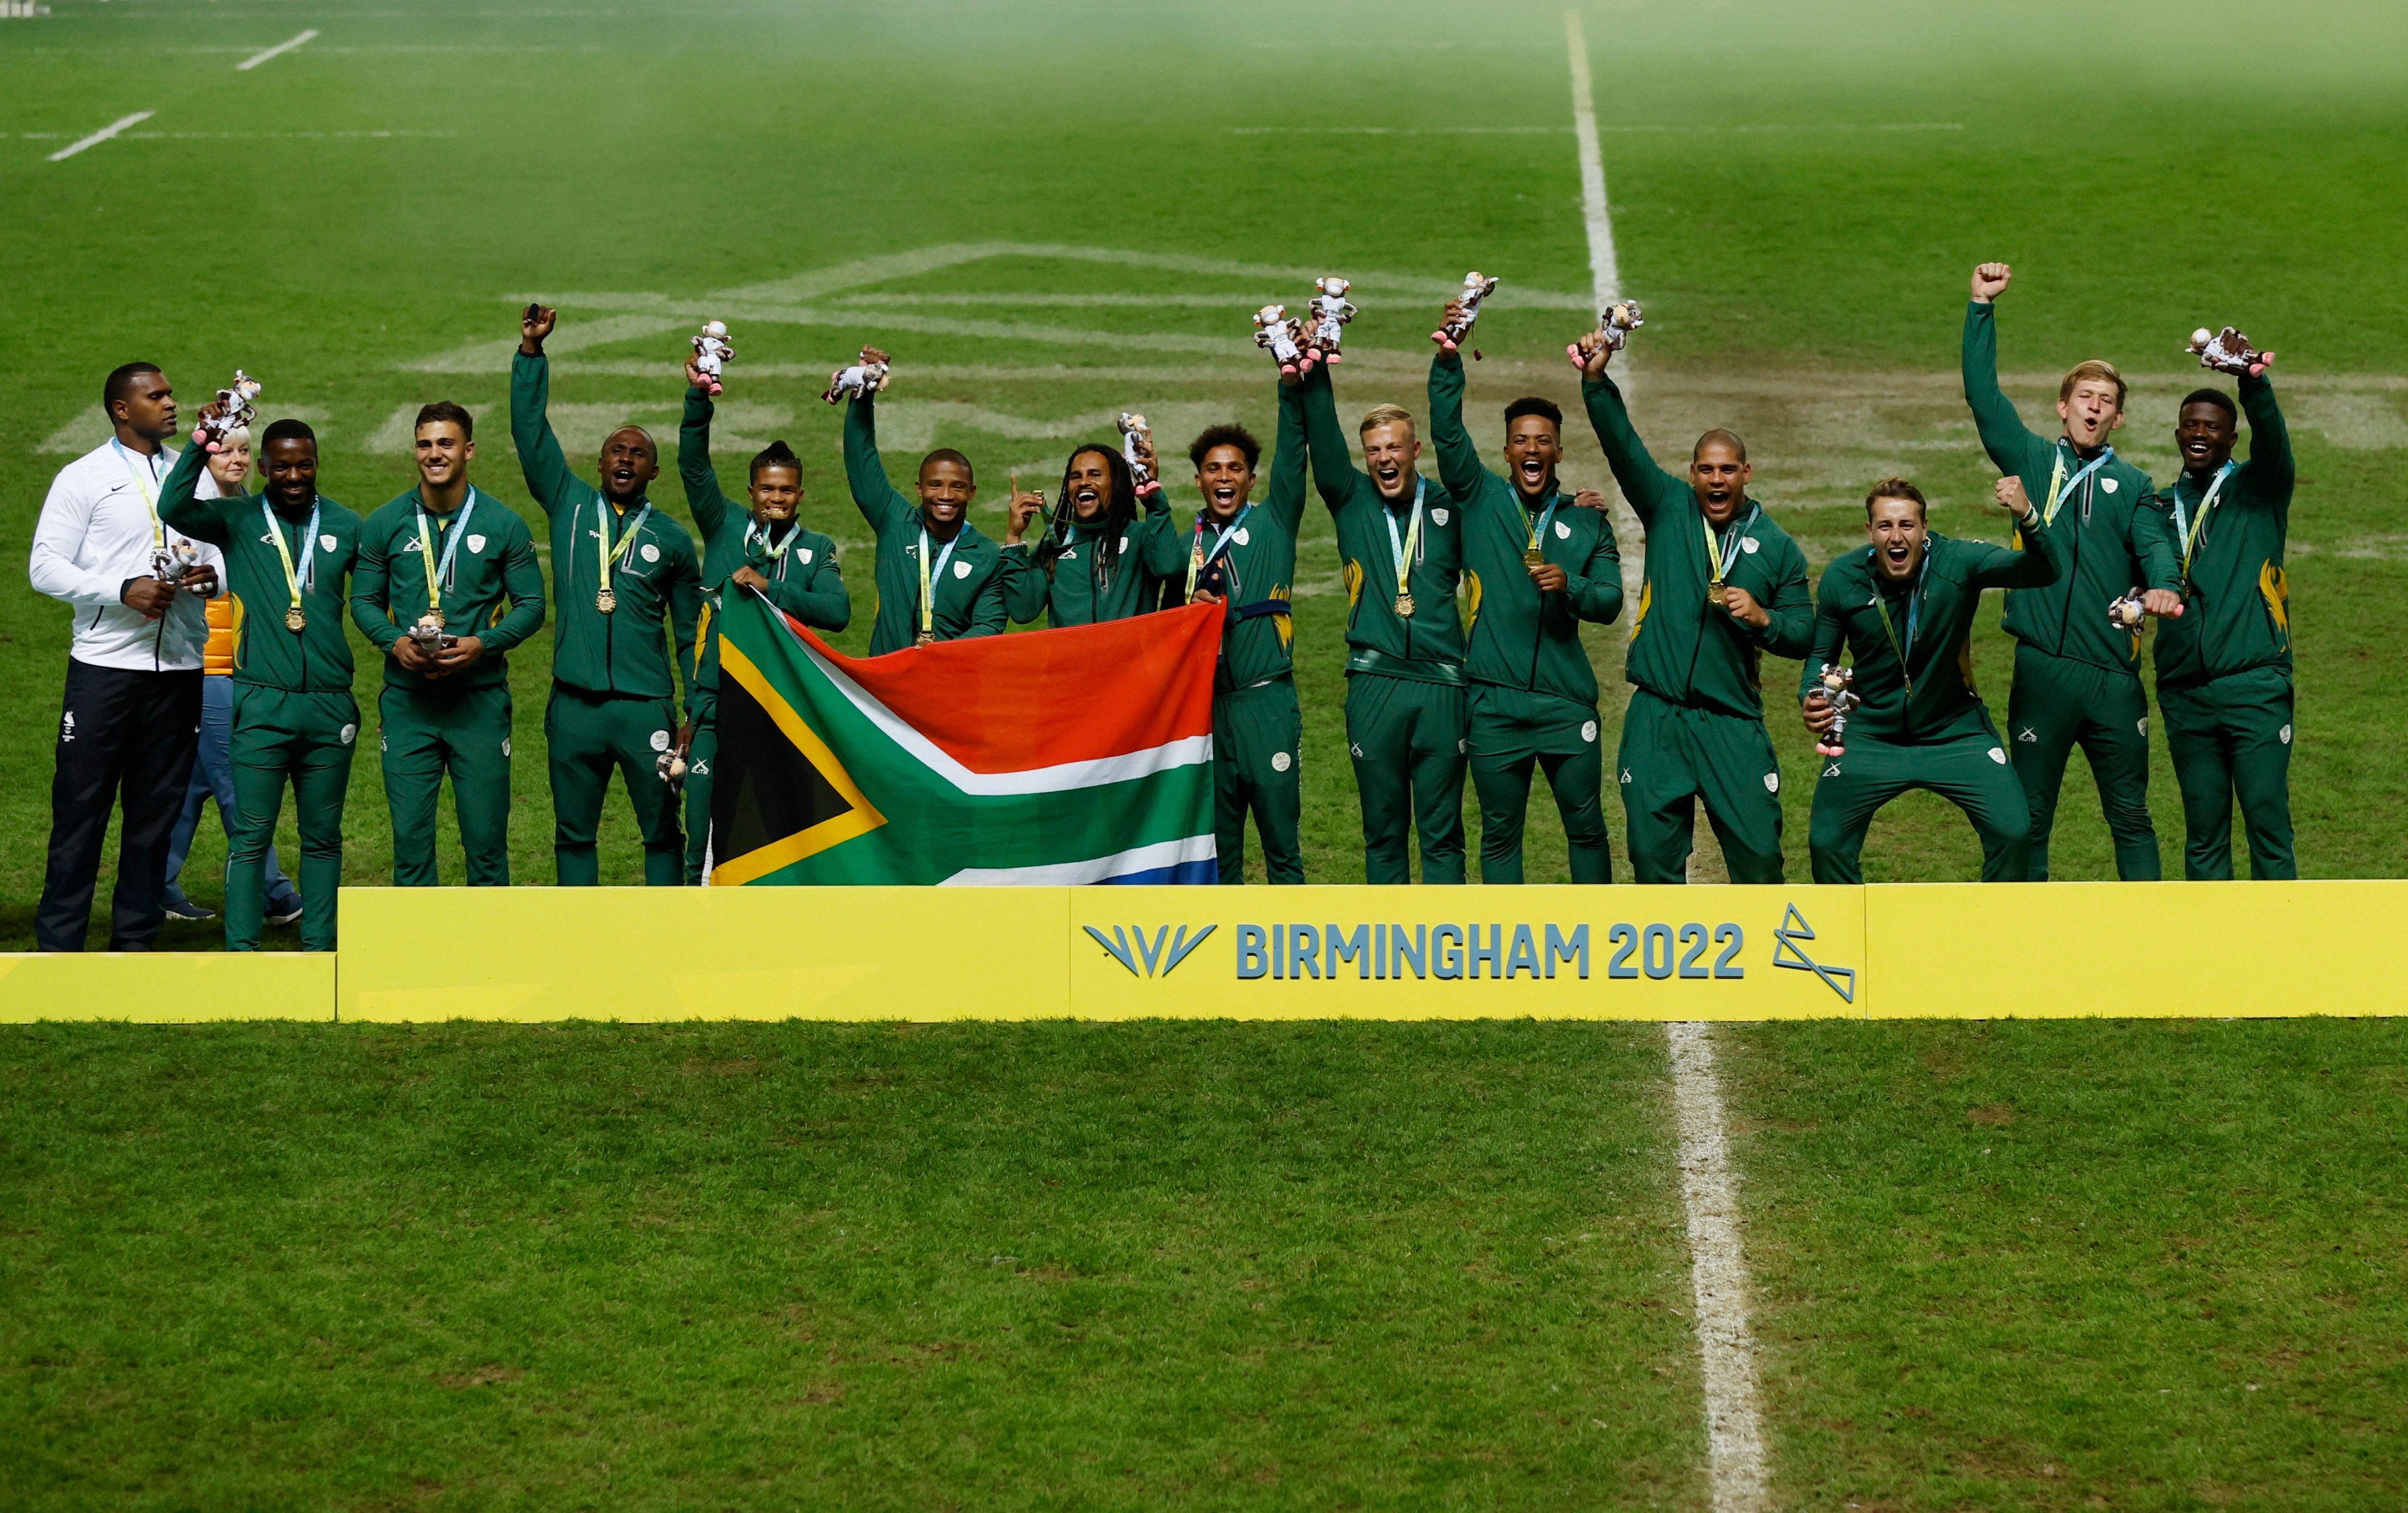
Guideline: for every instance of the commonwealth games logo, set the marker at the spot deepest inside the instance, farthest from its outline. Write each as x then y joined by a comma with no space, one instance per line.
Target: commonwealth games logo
1794,928
1158,957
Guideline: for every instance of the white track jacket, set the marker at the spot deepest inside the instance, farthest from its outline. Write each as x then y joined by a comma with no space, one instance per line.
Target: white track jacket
95,533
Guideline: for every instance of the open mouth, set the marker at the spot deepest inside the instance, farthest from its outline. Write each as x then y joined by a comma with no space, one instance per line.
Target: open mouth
1086,500
2199,450
1388,475
1223,496
1897,552
1533,471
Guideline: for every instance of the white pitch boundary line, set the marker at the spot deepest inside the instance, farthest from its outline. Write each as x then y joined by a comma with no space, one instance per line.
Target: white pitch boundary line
1717,1259
281,48
102,136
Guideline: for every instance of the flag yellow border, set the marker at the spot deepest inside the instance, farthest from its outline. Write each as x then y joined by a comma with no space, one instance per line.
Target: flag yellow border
860,820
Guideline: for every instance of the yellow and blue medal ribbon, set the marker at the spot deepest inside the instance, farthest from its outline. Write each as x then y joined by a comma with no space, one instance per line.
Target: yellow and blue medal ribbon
297,579
1199,559
2060,488
928,575
1403,552
2190,530
606,597
439,574
1914,616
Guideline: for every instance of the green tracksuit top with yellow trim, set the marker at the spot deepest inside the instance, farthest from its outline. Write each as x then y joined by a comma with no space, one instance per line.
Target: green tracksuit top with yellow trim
968,585
1684,646
2112,540
1929,617
318,659
1254,571
803,576
1427,644
658,580
2236,598
1521,638
1088,586
493,561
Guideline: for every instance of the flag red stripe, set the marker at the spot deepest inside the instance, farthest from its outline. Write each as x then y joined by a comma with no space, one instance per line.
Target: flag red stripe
1012,702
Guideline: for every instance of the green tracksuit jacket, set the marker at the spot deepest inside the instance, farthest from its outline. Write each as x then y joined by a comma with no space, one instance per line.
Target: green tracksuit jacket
1079,590
2224,667
294,717
1695,724
804,579
971,587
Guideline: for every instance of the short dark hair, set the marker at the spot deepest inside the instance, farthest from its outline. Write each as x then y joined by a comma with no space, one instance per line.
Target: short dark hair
444,412
120,381
1898,489
947,454
1533,404
1225,436
287,429
776,454
2217,398
1718,436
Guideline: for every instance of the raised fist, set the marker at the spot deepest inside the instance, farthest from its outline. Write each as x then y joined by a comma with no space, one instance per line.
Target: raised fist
1990,280
535,323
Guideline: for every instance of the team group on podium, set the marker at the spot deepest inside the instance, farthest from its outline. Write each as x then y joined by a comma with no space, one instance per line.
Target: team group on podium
1466,593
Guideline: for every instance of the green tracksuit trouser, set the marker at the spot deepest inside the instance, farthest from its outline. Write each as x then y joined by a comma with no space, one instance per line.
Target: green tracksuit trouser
1407,739
308,739
2232,735
1674,754
590,736
1257,765
1513,731
2056,704
466,732
1971,772
699,758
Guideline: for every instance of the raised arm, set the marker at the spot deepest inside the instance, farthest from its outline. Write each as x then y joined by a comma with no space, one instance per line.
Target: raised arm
1647,486
523,579
703,496
1459,461
2004,436
1594,592
2271,471
1161,547
874,495
372,594
1283,501
1025,586
2042,561
541,459
1334,473
1790,631
179,505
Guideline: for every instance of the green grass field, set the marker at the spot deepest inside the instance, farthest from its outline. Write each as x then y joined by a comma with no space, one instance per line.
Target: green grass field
1998,1266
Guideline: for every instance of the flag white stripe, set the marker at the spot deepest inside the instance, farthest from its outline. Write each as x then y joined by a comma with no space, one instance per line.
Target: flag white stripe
1162,853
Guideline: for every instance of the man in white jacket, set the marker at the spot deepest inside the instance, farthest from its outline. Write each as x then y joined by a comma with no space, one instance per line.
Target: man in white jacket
132,705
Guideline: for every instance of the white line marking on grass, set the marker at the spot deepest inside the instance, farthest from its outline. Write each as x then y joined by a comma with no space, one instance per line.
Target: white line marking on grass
281,48
102,136
1601,264
1718,1275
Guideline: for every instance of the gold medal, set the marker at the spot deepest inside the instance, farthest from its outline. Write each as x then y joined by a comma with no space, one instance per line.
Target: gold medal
294,621
605,600
1534,558
1404,607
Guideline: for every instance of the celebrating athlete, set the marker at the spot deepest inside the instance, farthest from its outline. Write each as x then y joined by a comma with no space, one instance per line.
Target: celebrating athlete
1405,715
622,573
763,550
1902,609
288,550
2077,677
1724,586
1098,560
1243,556
938,578
1533,570
2224,668
435,567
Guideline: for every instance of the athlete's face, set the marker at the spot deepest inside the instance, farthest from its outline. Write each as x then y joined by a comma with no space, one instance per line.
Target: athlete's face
443,453
1225,479
2204,435
291,472
147,408
777,493
629,464
230,465
945,491
1718,476
2090,412
1533,447
1896,530
1390,453
1090,487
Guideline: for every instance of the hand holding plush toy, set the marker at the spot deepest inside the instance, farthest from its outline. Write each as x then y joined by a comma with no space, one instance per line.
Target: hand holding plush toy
712,354
1137,449
859,382
1284,338
1463,311
2227,351
232,411
1330,313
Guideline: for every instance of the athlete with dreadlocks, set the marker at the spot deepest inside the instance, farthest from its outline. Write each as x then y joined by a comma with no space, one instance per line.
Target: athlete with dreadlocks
1096,560
763,550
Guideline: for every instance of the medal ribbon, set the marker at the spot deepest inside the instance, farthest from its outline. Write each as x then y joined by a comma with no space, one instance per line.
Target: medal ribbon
1403,552
1720,555
438,574
295,580
1914,615
609,555
146,487
2060,487
776,551
2190,530
1200,559
1538,527
927,594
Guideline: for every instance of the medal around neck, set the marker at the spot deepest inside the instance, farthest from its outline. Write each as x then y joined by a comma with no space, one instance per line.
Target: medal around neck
605,600
295,621
1404,607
